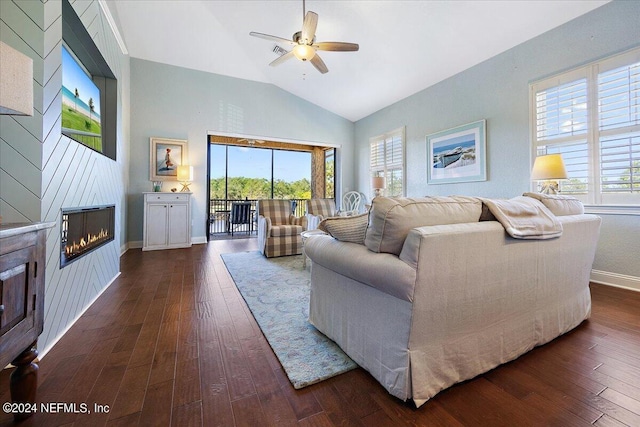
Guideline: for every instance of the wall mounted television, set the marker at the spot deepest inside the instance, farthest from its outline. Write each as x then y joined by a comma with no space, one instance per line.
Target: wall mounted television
81,119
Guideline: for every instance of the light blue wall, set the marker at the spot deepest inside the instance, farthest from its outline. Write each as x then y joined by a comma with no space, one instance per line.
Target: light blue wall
175,102
498,90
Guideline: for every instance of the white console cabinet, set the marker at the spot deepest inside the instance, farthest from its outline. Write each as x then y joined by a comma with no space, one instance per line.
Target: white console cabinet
167,221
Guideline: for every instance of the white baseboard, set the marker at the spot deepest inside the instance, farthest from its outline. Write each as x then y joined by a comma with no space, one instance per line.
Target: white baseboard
42,353
138,244
198,240
617,280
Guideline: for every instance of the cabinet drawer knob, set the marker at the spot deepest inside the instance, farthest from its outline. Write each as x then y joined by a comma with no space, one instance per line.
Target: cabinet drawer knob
1,309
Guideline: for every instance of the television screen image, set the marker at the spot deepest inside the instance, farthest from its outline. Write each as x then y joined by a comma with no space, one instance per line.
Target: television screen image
80,104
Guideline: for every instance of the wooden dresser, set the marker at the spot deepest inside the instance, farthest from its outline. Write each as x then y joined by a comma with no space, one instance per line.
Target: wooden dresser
22,274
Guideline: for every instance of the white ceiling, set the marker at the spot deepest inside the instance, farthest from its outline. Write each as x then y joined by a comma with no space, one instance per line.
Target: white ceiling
405,46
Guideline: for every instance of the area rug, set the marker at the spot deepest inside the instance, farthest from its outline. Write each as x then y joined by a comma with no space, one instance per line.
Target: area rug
277,293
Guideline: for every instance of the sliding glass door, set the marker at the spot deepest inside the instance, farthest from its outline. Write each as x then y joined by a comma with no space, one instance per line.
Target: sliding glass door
253,173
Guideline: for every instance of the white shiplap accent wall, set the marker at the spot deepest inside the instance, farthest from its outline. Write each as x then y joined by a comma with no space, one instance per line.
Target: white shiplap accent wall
43,171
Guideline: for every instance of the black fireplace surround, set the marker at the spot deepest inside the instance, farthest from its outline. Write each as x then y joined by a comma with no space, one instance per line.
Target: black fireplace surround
83,230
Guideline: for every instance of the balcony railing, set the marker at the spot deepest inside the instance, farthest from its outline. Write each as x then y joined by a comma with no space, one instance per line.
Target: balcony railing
220,212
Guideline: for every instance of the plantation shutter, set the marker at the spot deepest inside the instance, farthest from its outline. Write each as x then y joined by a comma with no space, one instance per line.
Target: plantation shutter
561,111
387,159
619,124
561,128
591,116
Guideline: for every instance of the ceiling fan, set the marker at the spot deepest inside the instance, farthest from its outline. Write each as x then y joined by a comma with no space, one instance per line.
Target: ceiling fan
305,45
251,141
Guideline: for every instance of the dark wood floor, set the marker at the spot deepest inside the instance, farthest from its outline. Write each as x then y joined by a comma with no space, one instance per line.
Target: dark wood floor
171,342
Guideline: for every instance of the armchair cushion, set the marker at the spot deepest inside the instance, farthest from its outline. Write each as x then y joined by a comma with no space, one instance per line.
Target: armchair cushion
298,220
285,230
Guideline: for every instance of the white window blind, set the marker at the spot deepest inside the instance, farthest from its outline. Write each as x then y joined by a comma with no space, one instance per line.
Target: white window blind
562,110
619,97
591,116
387,159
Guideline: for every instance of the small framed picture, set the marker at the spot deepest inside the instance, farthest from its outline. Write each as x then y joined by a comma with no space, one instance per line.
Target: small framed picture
165,157
458,154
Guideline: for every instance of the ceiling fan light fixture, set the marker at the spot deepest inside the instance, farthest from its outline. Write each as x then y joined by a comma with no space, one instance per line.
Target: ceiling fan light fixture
304,52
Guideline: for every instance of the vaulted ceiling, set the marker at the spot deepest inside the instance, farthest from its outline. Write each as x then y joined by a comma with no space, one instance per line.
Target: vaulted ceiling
405,46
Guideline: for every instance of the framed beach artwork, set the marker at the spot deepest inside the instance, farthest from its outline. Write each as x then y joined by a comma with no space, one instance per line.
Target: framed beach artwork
458,154
166,155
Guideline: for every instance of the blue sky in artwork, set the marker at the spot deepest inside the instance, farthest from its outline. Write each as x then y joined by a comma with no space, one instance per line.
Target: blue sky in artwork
74,77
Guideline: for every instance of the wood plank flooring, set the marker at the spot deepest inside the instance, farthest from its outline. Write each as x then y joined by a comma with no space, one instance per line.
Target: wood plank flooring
172,343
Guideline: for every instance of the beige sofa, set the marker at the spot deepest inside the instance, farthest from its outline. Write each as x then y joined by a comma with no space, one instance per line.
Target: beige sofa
440,292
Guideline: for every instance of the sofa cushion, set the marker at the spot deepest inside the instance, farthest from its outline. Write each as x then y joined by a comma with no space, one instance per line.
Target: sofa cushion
391,219
559,205
347,228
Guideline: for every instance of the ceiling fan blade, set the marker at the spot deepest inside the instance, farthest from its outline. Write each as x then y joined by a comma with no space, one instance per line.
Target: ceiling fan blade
319,64
272,38
309,27
282,59
337,46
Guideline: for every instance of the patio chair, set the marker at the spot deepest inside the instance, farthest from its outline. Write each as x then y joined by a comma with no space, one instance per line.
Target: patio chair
240,215
319,209
279,232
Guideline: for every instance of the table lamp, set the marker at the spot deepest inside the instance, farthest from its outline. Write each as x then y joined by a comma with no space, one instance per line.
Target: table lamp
378,184
185,176
549,168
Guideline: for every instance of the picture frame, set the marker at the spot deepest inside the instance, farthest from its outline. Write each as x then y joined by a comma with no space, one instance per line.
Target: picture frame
165,156
457,154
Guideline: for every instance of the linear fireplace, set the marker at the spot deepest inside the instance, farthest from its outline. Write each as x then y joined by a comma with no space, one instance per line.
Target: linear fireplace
84,230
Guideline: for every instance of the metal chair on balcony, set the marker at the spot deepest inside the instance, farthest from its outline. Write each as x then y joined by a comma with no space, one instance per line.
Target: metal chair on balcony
240,215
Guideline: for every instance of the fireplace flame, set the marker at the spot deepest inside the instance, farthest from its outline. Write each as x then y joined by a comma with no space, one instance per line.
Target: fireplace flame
86,242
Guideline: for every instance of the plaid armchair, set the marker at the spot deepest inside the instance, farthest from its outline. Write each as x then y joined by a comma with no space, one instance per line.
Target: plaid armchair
319,209
278,230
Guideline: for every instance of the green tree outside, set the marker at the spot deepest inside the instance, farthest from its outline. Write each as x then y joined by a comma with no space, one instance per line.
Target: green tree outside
240,188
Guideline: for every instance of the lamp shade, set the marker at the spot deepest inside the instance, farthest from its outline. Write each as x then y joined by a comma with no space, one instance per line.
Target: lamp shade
185,173
549,166
377,182
304,52
16,82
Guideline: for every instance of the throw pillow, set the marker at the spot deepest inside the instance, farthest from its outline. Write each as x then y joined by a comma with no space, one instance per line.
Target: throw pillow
346,228
393,218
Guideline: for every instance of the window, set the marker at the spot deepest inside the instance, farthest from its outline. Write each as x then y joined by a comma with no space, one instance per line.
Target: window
591,116
387,160
240,172
329,172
